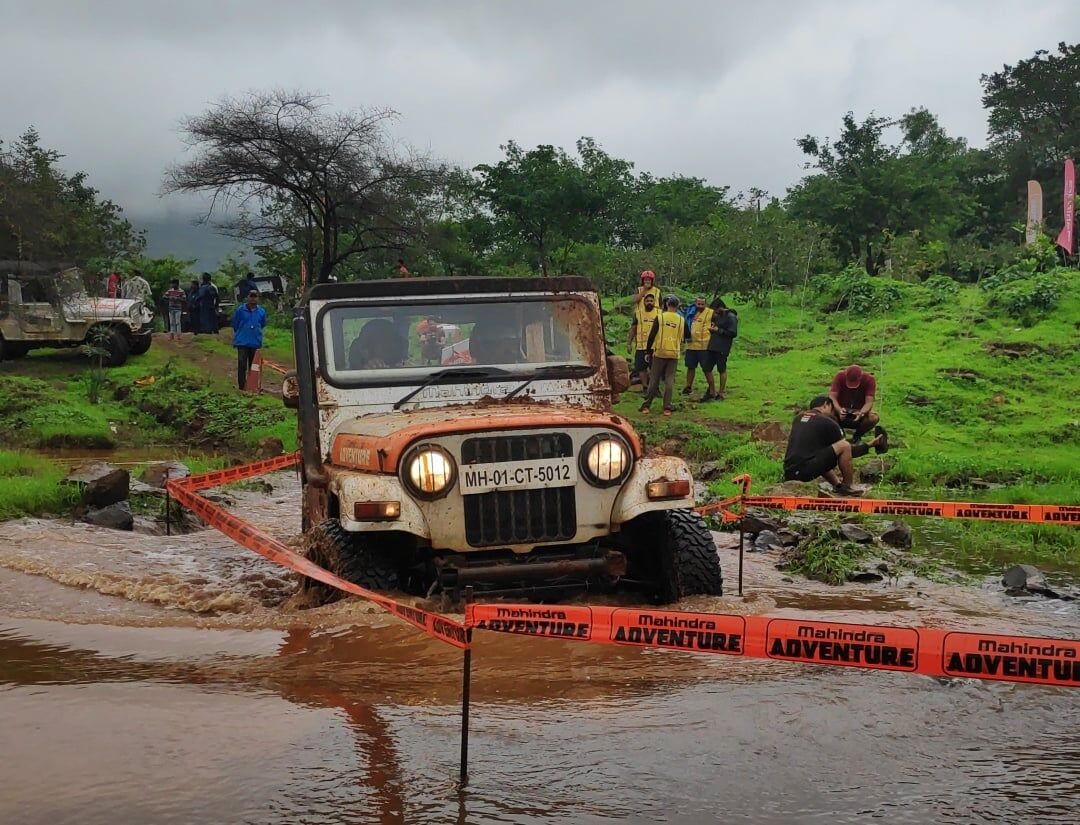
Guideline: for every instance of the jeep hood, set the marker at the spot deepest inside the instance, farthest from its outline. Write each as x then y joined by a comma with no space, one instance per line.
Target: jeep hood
387,435
110,307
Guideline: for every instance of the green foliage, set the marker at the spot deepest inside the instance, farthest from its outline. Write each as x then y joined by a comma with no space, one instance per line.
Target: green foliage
30,486
50,215
855,290
828,559
160,272
941,288
1025,297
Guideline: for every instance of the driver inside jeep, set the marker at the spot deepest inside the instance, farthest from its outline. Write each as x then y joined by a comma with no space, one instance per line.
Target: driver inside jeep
495,341
378,346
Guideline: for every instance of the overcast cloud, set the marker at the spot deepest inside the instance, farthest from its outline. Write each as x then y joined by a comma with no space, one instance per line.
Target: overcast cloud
715,89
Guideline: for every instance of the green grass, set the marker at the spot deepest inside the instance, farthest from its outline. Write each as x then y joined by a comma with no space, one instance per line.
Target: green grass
1013,421
29,486
277,344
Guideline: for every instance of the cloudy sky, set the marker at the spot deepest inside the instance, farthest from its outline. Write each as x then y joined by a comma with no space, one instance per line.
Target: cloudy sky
717,89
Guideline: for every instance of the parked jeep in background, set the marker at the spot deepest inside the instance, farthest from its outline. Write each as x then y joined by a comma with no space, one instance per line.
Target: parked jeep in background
459,432
41,306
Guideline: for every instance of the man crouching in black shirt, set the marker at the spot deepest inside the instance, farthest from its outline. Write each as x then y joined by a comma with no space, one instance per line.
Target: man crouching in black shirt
816,447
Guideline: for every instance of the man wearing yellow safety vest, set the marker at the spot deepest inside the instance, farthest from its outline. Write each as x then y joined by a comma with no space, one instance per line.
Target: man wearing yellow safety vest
644,315
663,345
698,344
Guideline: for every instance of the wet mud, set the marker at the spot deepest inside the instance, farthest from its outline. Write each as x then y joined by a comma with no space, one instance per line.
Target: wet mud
177,679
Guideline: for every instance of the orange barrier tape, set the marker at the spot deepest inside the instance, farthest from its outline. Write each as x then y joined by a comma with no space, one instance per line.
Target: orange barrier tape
1029,513
186,492
926,651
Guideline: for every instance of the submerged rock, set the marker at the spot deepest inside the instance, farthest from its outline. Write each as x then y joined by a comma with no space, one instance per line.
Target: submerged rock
767,540
1026,578
897,534
116,516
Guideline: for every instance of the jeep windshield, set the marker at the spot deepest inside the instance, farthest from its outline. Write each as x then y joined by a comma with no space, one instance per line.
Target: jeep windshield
404,343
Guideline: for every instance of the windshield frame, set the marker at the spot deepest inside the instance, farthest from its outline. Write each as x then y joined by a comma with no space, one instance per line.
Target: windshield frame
571,370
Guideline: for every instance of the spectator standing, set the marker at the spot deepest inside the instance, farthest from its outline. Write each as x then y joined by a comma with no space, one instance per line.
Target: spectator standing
697,345
663,345
402,270
637,340
136,288
113,285
852,396
245,285
248,322
192,291
647,287
722,332
175,301
205,309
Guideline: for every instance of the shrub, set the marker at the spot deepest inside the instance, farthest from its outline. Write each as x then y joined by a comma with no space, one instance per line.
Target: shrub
855,289
1024,297
941,288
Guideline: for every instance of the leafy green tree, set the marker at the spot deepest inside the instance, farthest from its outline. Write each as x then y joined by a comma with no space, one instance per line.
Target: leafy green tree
47,214
1034,124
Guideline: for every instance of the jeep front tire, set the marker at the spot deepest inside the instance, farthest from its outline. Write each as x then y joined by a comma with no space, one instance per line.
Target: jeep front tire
115,344
674,554
349,556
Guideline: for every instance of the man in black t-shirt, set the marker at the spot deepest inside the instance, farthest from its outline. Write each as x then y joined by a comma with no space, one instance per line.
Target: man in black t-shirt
816,447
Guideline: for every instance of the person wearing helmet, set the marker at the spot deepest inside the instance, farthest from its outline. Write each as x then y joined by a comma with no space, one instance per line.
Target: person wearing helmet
647,287
644,315
852,396
663,346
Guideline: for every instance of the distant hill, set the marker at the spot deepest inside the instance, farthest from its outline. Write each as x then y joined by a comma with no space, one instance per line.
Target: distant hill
178,235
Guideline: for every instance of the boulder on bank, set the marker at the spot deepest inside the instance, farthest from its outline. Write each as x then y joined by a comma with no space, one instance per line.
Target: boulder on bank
269,447
102,484
115,516
767,540
897,534
754,522
855,533
154,475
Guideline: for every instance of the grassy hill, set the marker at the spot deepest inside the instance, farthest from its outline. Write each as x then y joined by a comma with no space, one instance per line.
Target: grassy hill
971,397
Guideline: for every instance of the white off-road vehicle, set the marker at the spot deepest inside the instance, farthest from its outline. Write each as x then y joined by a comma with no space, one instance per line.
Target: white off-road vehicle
41,307
459,432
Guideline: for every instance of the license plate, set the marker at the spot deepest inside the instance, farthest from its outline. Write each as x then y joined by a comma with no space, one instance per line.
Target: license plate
518,475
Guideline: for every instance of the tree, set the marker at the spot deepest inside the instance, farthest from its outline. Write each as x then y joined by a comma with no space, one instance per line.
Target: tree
302,175
867,190
1034,122
49,215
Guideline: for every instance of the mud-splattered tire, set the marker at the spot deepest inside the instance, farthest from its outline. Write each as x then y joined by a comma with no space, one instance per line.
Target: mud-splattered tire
140,344
347,555
113,342
675,554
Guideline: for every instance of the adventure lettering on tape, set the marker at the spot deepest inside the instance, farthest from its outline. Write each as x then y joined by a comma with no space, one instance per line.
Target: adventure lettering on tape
698,632
1011,658
833,643
572,622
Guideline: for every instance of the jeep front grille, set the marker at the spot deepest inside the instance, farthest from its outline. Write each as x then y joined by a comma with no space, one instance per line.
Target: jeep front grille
519,516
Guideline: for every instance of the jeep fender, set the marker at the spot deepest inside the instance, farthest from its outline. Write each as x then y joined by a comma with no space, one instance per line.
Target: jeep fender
351,487
633,500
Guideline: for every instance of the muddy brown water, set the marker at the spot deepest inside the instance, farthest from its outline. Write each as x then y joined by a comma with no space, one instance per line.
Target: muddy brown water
174,680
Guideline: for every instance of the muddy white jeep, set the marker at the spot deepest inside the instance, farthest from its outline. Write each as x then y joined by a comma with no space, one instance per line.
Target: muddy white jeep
459,432
40,307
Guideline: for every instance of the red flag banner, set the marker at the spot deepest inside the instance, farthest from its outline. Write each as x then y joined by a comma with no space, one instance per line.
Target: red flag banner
1065,236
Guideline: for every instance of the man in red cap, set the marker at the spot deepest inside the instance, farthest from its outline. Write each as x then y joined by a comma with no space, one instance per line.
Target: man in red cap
852,396
648,287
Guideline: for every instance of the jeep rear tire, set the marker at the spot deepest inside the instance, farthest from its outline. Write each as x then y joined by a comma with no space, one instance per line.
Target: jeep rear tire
10,350
141,343
349,556
674,553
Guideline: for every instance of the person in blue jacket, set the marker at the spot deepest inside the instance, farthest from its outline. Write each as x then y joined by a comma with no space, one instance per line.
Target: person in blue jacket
248,322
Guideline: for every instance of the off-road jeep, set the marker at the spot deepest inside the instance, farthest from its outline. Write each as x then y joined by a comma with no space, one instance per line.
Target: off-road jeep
41,307
459,432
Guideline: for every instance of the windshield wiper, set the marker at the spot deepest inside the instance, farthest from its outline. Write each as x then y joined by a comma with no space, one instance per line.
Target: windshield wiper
571,370
451,372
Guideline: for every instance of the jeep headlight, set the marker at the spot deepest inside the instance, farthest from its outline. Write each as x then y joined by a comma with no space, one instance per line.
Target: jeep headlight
605,460
429,471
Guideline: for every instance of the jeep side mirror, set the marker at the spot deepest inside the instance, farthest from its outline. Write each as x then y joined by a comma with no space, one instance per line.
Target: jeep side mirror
618,373
290,390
